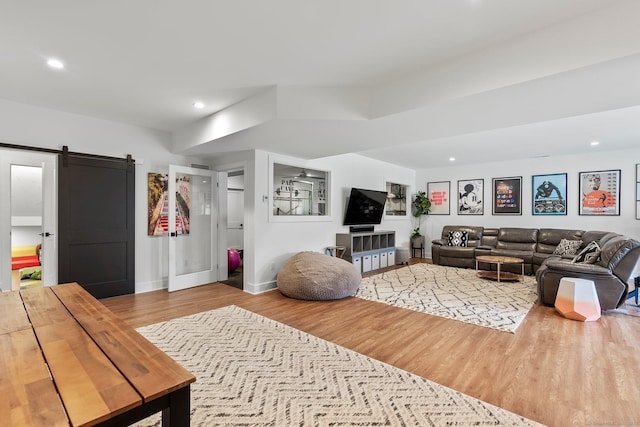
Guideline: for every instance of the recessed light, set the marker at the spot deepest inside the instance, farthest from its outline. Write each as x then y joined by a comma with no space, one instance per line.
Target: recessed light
452,159
594,143
199,105
55,63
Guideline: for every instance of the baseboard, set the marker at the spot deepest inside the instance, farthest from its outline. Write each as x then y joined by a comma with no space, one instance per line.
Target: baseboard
151,286
259,288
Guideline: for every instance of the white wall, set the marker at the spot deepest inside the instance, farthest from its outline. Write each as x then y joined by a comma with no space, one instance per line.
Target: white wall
594,160
33,126
275,242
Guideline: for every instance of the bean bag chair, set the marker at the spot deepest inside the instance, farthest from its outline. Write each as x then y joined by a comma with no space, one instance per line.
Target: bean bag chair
316,276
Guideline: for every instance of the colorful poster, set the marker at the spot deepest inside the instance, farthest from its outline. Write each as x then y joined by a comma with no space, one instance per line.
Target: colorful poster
600,193
438,194
507,196
549,194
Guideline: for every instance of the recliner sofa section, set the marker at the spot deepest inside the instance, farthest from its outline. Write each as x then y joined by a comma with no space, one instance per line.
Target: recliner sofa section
613,273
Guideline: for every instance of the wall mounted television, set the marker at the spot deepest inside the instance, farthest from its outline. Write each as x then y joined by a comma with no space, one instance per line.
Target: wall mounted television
364,209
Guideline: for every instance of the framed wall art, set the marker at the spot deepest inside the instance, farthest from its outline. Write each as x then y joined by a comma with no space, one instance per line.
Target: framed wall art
438,193
471,197
507,196
600,192
549,194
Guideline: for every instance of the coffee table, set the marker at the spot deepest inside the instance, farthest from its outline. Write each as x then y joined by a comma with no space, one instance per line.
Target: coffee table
498,261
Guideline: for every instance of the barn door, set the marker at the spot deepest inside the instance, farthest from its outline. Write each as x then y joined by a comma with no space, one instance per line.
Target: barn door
96,233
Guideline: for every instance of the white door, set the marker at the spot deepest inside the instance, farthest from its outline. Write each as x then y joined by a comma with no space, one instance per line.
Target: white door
28,182
193,235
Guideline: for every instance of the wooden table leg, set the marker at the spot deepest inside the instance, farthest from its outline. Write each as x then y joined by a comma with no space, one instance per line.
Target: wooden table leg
178,414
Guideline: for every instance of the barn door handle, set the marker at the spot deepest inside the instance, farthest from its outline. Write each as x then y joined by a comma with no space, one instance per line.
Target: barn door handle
173,234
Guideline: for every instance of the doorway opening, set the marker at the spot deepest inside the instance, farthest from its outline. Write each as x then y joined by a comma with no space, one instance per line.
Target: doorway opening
235,228
26,226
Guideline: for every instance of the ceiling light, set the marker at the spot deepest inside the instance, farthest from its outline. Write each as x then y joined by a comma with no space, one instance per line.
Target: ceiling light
452,159
55,63
594,143
199,105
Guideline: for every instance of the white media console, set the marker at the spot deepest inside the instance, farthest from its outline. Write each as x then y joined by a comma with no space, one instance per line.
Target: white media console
369,250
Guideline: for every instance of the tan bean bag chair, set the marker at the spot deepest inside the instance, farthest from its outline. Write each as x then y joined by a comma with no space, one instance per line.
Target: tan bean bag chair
316,276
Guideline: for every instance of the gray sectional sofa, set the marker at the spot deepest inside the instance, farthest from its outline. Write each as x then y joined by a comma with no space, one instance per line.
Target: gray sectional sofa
613,271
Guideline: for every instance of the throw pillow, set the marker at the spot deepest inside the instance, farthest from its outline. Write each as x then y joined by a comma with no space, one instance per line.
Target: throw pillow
458,238
567,247
589,255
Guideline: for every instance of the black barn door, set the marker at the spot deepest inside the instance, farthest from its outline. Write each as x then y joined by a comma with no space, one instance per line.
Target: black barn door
96,233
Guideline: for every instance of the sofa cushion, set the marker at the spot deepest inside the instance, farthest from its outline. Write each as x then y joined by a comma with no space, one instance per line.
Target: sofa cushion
517,239
614,249
457,252
549,238
567,247
588,255
458,238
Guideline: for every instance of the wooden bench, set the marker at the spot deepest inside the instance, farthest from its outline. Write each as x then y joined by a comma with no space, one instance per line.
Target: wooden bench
103,372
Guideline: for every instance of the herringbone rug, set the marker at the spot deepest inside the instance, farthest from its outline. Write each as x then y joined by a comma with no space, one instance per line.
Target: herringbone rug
253,371
454,293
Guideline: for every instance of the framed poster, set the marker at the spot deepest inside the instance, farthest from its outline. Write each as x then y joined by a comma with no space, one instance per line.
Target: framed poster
600,192
549,194
471,197
438,193
507,196
157,208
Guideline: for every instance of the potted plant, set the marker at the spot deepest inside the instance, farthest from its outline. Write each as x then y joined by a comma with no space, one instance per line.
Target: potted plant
421,205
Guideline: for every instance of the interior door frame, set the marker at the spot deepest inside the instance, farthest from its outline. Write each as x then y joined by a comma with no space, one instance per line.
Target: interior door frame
178,282
48,163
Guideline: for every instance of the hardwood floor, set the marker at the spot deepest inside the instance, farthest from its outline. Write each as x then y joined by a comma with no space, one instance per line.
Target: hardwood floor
553,370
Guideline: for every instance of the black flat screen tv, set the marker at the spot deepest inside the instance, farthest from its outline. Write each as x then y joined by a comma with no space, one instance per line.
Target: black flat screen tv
365,207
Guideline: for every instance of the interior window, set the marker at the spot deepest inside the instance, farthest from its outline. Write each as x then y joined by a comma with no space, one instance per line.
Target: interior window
299,191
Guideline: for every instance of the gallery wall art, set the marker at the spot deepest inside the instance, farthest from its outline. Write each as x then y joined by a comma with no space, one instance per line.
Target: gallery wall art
507,196
438,193
600,192
549,194
471,197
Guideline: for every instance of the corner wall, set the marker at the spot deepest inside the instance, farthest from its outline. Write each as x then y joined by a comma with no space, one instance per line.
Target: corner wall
596,160
275,242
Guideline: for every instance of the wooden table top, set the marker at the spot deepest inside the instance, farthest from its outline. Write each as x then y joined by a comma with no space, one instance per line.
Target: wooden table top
100,367
496,259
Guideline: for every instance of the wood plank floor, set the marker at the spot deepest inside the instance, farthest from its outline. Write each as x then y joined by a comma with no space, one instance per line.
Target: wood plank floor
556,371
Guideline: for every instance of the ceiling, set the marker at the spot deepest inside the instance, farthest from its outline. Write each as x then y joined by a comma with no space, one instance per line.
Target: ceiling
412,82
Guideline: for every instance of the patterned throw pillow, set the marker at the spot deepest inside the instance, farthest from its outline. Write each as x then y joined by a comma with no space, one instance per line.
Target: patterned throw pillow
589,255
458,238
567,247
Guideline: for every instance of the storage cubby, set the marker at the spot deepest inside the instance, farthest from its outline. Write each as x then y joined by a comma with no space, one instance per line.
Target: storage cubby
368,250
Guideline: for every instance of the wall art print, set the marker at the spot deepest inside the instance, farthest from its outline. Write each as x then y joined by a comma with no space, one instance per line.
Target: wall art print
600,192
158,204
471,197
438,193
507,196
549,194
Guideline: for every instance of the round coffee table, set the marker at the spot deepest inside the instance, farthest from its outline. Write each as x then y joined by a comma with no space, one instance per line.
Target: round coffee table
498,274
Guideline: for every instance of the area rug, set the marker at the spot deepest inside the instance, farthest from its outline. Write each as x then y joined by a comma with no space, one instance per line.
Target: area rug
254,371
454,293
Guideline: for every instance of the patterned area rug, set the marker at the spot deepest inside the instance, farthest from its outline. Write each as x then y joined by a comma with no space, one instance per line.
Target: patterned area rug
454,293
253,371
